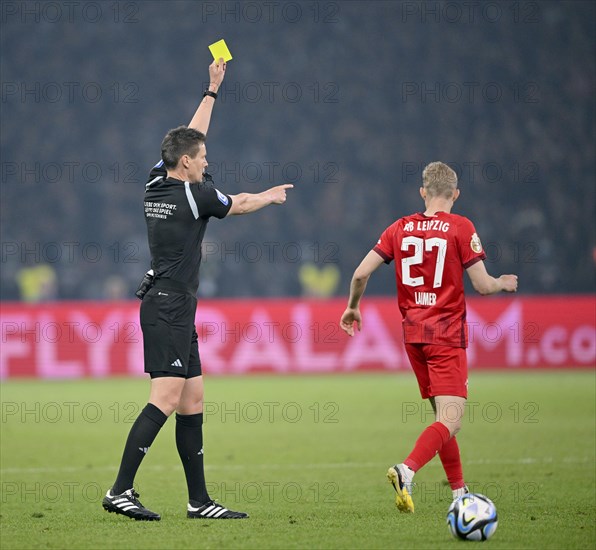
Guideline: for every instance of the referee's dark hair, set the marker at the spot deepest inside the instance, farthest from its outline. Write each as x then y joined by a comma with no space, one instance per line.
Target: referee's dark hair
180,141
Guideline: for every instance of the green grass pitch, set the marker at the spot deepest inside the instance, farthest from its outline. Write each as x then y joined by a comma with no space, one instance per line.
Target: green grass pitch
306,457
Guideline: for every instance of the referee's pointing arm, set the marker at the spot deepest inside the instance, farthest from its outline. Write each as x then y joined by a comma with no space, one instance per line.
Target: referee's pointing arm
244,203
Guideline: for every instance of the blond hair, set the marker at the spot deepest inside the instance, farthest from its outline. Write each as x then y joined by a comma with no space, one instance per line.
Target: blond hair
439,180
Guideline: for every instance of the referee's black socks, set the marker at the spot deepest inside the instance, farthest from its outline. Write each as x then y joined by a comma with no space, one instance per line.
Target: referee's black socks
189,440
140,438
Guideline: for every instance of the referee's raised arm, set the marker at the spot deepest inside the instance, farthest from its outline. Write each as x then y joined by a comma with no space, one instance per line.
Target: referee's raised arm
202,117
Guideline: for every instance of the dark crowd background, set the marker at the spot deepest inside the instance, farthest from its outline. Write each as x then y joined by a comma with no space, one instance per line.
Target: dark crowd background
347,100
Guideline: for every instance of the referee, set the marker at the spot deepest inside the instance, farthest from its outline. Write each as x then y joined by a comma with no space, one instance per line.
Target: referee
179,200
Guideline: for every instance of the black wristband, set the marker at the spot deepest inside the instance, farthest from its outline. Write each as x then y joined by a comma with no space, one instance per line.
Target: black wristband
210,94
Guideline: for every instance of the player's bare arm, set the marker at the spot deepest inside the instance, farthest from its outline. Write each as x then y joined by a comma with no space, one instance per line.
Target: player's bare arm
202,117
245,203
485,284
352,315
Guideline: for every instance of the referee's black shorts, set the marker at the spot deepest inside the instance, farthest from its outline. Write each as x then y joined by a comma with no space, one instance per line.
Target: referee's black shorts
170,341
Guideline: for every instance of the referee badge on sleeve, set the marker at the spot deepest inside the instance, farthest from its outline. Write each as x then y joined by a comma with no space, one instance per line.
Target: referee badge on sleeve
222,198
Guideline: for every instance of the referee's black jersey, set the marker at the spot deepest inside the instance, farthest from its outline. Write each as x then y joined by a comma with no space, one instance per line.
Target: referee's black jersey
177,213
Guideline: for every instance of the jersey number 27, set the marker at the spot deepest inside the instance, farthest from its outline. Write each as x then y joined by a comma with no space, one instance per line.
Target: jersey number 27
420,246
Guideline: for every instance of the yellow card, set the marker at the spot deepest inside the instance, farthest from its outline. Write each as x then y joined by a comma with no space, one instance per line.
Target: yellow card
220,49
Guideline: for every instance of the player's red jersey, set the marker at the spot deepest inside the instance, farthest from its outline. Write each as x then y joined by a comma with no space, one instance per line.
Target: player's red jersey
431,253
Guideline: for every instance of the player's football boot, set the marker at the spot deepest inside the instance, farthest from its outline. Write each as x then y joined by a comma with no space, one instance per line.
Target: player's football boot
403,500
460,492
212,510
128,505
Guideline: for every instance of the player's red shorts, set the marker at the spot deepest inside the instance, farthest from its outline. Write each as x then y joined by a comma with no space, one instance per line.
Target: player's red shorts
440,370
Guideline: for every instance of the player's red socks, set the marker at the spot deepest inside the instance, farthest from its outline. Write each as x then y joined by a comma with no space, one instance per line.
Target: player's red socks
449,455
427,446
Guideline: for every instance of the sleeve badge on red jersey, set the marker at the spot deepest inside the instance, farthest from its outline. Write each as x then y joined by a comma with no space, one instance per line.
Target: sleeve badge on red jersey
475,243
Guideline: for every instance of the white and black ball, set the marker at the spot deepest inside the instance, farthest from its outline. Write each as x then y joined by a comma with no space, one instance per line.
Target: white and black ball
472,517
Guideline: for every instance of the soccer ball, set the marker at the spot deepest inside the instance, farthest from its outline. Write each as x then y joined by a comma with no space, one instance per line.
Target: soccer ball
472,517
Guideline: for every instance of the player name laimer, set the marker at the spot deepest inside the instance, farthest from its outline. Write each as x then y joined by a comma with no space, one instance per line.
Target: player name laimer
425,298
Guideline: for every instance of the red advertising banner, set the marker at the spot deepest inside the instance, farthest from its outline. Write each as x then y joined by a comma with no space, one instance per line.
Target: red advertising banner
98,339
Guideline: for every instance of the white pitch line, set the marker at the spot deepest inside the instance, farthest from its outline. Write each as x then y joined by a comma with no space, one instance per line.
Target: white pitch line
323,466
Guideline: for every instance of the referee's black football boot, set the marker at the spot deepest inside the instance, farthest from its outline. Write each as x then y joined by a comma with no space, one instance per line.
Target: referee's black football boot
128,505
212,510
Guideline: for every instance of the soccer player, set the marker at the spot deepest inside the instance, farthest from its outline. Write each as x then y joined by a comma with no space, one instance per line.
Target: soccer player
431,251
179,201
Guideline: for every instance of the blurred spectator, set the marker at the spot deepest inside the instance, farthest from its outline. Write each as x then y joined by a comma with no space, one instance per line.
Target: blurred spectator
318,283
115,288
37,284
